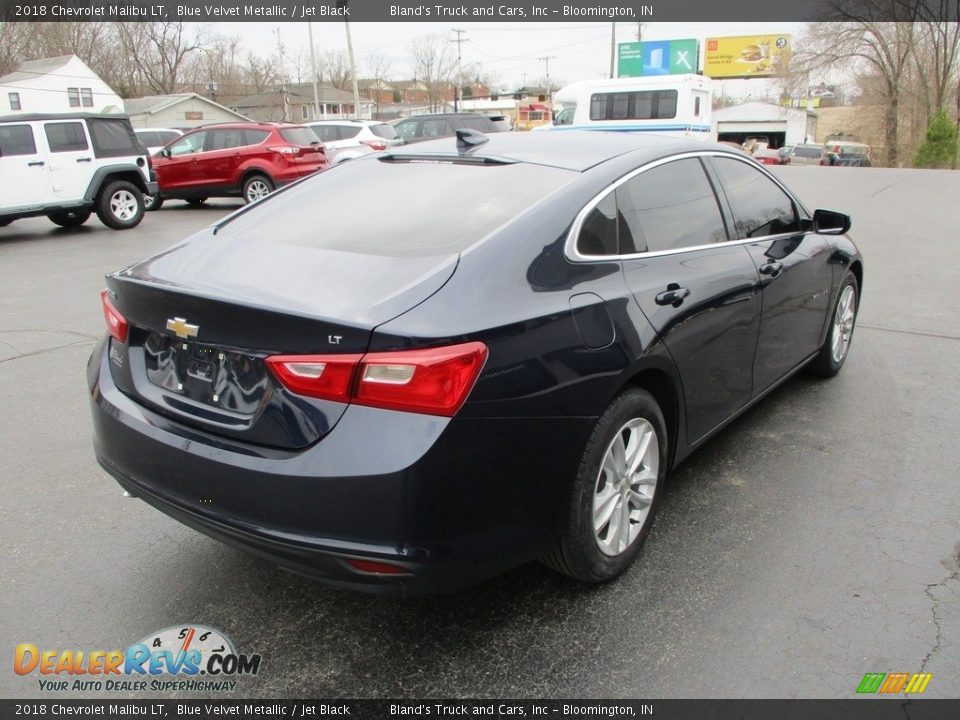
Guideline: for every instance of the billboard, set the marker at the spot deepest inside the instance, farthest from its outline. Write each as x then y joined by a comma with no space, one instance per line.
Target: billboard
659,57
746,56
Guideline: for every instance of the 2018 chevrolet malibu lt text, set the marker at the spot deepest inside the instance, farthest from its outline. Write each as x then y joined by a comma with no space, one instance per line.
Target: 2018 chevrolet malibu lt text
500,363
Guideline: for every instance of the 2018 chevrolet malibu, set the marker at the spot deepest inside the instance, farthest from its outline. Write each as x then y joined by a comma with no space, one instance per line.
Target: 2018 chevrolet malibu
501,363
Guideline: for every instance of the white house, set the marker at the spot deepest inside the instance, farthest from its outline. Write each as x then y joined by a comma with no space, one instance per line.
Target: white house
182,111
56,85
781,125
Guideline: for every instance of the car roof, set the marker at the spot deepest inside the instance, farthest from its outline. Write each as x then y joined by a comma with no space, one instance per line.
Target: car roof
576,150
346,122
27,117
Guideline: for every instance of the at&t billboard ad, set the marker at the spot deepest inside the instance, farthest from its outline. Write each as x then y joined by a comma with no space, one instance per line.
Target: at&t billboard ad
658,57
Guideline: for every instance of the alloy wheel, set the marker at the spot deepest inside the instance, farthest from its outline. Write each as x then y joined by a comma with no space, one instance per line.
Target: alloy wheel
843,320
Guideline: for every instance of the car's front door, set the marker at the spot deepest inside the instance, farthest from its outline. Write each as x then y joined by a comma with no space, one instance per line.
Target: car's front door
70,158
179,171
698,291
24,175
796,274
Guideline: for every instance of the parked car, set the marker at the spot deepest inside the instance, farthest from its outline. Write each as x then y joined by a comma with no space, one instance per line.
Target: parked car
153,139
349,139
850,154
501,363
431,127
67,166
766,156
248,160
807,154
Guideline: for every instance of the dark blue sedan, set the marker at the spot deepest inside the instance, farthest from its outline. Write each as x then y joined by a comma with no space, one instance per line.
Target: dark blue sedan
425,366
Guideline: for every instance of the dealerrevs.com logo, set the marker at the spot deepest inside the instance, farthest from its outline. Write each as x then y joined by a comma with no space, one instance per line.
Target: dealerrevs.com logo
182,657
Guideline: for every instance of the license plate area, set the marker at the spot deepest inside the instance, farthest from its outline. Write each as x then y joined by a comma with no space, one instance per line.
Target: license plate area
205,374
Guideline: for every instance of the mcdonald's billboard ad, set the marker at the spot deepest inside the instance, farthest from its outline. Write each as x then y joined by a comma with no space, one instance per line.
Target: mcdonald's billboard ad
746,56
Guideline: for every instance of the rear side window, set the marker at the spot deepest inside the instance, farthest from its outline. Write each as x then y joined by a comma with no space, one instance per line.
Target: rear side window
113,138
407,130
149,138
65,137
255,137
388,132
758,204
807,152
669,207
226,139
299,135
422,208
17,140
326,133
434,128
349,131
598,234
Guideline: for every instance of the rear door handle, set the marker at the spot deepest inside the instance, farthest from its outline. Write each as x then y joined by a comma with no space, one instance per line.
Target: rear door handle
84,159
672,296
771,268
36,163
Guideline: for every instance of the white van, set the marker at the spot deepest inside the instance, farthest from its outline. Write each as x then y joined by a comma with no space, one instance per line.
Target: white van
678,105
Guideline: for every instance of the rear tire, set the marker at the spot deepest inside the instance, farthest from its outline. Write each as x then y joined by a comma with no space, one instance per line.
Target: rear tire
843,319
616,491
4,223
256,187
120,205
152,202
196,201
69,218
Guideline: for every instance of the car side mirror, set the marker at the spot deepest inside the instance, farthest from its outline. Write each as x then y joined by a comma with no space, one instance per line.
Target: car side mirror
828,222
165,152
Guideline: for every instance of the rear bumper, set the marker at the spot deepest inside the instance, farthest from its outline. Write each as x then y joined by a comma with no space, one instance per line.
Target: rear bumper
452,502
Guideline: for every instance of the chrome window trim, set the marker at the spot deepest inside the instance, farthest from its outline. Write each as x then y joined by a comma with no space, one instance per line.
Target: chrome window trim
574,255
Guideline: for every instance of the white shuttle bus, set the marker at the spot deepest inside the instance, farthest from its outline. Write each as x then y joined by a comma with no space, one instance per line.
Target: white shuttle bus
677,105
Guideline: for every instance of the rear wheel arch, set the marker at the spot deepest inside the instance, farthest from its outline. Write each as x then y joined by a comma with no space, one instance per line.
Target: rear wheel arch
107,175
249,172
667,392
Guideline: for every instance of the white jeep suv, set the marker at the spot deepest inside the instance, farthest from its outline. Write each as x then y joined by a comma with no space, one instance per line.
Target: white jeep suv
66,166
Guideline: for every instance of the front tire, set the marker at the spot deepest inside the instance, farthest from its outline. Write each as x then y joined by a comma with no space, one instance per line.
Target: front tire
616,491
120,205
842,321
69,218
256,187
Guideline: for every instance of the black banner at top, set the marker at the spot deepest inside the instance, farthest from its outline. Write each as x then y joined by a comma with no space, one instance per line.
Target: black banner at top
447,11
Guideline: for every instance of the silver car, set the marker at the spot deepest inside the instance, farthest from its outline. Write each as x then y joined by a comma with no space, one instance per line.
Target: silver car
807,154
349,139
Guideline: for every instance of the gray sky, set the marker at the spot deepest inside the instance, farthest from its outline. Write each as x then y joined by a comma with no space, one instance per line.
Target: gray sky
505,50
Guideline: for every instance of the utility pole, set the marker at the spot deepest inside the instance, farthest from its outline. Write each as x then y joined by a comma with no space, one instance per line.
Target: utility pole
613,47
547,60
283,78
353,62
313,71
639,31
458,89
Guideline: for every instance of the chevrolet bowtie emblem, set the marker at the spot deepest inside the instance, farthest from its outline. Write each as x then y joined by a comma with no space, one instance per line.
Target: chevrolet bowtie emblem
182,328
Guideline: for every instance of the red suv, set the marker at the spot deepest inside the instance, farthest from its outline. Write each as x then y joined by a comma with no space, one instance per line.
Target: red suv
245,159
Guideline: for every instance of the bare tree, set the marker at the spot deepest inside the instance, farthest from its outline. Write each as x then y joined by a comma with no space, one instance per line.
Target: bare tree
378,65
880,51
163,51
435,64
335,68
937,51
16,41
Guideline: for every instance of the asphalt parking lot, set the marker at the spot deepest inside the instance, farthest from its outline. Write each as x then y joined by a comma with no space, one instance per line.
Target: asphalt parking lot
814,540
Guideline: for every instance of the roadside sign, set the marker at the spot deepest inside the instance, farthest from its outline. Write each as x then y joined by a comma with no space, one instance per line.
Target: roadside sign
746,56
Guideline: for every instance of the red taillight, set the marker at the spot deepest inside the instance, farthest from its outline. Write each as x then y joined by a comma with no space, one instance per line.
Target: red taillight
435,381
380,568
375,144
329,377
116,323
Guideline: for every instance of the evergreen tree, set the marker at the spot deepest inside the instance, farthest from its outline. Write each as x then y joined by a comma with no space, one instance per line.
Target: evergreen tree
939,150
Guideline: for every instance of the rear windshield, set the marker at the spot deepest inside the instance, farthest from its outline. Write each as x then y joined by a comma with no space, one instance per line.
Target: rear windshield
421,208
388,132
807,152
299,135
